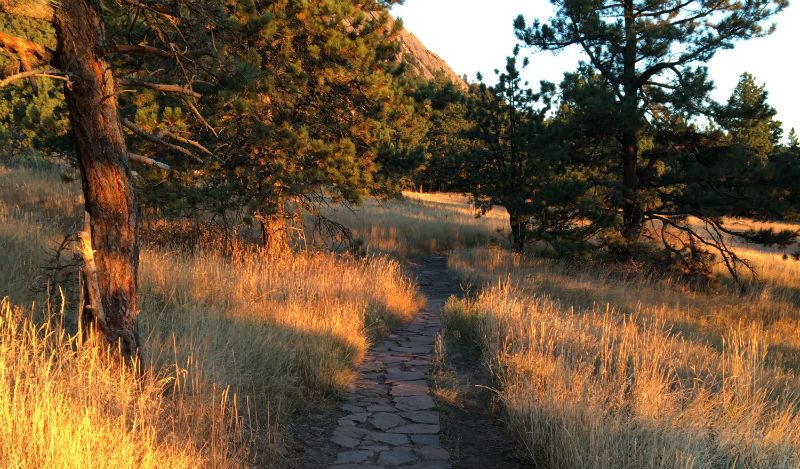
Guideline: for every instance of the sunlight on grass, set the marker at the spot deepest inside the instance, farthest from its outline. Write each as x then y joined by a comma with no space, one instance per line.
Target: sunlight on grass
234,343
421,224
601,372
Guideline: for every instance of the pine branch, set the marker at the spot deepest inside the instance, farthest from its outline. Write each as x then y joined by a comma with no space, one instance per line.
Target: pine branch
148,161
166,133
162,87
55,74
156,139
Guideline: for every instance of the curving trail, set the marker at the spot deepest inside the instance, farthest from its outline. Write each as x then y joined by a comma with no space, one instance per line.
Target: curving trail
390,420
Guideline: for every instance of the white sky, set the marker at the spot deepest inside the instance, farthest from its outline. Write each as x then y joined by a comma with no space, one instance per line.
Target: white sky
475,35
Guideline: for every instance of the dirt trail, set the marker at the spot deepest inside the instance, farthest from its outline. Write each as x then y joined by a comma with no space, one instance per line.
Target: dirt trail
389,419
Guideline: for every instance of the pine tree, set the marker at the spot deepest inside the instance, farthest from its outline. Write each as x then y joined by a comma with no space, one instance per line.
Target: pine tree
308,110
749,119
650,55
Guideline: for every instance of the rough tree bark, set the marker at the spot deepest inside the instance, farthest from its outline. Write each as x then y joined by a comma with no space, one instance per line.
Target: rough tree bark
105,171
274,234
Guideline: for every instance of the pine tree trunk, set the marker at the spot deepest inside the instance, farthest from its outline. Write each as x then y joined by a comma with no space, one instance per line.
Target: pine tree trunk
274,234
632,219
519,231
632,216
105,173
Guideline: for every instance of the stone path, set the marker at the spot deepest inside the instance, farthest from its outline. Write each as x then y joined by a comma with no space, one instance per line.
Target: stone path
390,419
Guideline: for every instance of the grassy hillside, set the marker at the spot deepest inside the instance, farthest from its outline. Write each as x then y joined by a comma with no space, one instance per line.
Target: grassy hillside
233,343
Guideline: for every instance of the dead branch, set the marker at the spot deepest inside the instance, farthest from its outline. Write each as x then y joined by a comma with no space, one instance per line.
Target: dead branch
200,116
172,13
131,49
24,47
162,87
30,54
150,50
156,139
166,133
55,74
148,161
35,9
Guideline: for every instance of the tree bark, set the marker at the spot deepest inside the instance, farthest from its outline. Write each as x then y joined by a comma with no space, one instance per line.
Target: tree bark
632,219
519,231
105,172
274,234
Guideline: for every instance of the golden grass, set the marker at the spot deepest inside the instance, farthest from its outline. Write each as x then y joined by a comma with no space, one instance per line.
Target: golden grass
595,371
234,342
420,224
64,405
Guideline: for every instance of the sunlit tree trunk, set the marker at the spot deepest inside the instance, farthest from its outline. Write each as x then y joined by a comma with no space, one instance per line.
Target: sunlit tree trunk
105,173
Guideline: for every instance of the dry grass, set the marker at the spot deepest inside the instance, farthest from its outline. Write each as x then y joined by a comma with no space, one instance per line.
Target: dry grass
233,342
420,224
64,405
595,371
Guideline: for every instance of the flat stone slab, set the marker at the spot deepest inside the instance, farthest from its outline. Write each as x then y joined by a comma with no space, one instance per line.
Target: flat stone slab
353,456
422,416
416,429
433,453
386,420
410,388
395,439
414,403
396,457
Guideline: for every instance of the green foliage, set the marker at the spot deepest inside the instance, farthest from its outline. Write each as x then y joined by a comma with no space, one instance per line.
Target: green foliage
630,118
308,110
749,119
30,122
446,142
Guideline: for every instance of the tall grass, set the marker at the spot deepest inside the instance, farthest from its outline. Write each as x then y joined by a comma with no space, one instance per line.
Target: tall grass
595,371
420,224
234,342
66,405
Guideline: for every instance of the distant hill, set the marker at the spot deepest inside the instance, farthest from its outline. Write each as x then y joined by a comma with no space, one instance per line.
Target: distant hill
422,60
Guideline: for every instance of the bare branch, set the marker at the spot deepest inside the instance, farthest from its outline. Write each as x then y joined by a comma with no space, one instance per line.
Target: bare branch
150,50
163,87
55,74
173,13
148,161
166,133
35,9
131,49
156,139
200,116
